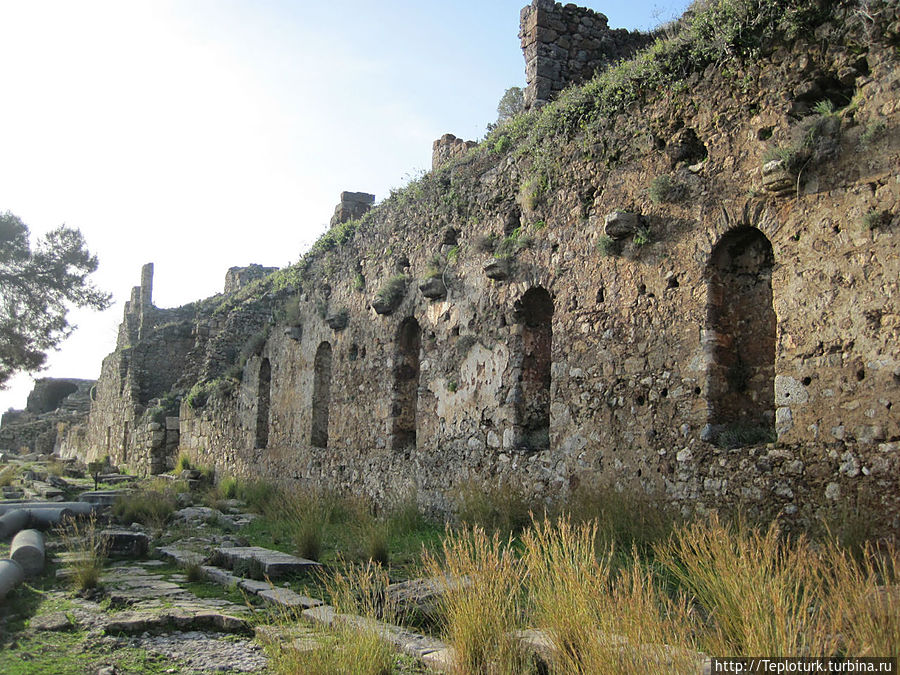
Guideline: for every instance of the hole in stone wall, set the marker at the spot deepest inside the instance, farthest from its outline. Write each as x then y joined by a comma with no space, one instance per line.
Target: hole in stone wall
362,352
451,237
264,389
638,473
664,393
639,400
860,374
512,221
764,133
321,399
454,331
806,381
406,385
741,377
641,289
672,282
600,293
696,391
535,311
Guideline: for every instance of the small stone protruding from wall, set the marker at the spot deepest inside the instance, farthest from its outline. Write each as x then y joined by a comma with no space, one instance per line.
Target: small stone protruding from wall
238,277
353,205
447,148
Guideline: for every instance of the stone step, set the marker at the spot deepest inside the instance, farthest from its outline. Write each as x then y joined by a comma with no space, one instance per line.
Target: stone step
46,490
102,497
180,556
285,597
140,621
274,595
263,562
435,654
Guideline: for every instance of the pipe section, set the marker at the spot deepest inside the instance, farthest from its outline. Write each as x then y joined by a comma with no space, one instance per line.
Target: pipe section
11,575
27,549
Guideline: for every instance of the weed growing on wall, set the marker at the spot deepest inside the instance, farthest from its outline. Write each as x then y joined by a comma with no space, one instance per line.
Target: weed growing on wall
667,189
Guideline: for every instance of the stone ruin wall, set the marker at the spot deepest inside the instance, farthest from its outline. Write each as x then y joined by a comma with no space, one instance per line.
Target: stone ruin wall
448,148
160,354
237,278
567,44
562,366
53,405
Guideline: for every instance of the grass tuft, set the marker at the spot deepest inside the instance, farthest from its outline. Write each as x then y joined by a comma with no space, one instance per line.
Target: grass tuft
481,607
87,551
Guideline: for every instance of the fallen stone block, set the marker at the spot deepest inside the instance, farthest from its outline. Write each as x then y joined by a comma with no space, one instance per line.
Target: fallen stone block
253,585
219,576
46,490
125,543
133,622
180,556
255,561
441,660
285,597
54,621
102,497
324,615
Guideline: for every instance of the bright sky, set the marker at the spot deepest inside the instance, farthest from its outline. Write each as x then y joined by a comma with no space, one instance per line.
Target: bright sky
202,134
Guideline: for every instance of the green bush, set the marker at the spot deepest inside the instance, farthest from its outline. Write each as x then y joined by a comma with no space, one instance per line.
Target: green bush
183,463
667,189
531,192
502,145
393,290
875,219
198,395
150,507
606,245
872,133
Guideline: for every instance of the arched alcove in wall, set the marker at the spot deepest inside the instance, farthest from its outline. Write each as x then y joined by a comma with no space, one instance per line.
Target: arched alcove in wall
741,318
405,394
534,311
321,399
264,389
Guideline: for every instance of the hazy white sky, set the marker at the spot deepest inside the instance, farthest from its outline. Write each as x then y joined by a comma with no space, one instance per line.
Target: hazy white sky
202,134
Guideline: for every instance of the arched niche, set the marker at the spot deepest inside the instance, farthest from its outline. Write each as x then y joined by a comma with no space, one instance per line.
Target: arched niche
742,328
405,392
534,312
264,389
321,399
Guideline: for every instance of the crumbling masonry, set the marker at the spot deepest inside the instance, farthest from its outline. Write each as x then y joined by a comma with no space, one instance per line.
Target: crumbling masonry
730,339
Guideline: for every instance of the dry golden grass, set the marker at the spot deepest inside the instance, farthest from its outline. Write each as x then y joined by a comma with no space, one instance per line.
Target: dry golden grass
356,647
482,607
863,600
758,590
598,621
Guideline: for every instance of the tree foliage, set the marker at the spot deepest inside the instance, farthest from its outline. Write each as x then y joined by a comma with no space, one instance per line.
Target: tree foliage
37,288
511,104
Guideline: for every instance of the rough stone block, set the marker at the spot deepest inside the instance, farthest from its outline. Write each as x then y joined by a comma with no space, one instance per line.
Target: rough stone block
265,562
125,543
622,224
